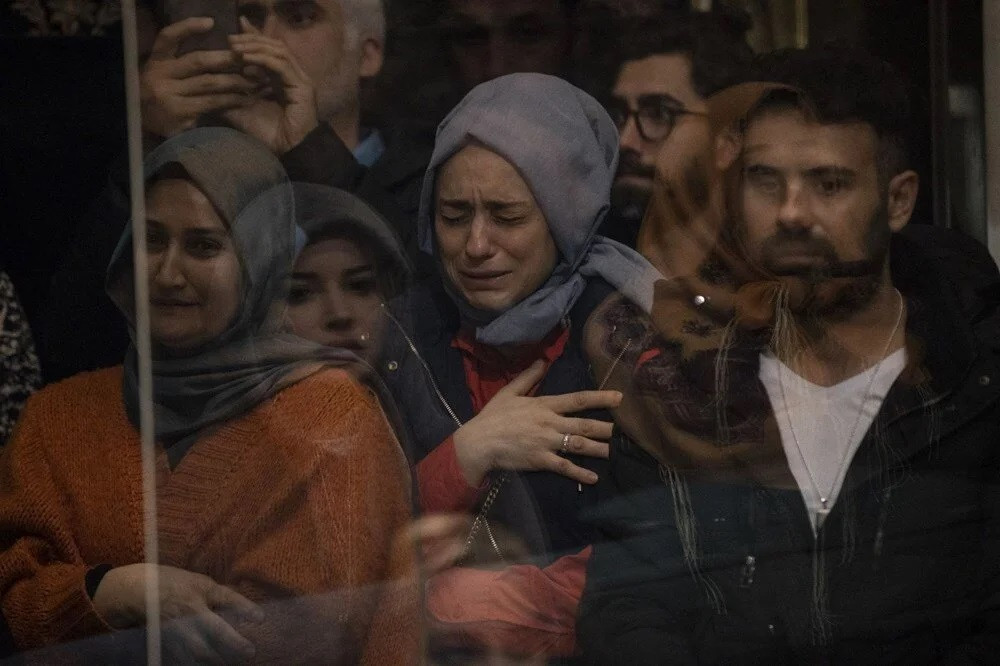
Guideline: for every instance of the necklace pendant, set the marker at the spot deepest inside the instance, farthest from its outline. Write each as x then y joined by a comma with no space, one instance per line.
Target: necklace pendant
823,502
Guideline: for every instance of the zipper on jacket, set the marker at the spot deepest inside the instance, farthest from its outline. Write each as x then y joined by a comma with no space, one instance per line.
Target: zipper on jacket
423,363
481,521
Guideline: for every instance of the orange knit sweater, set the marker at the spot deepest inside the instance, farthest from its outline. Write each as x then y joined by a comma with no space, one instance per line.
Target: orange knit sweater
295,505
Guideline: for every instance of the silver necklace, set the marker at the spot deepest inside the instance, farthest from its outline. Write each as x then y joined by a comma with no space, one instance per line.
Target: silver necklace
824,499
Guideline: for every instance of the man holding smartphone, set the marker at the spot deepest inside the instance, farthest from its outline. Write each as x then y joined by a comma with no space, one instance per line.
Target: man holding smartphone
291,77
287,72
283,67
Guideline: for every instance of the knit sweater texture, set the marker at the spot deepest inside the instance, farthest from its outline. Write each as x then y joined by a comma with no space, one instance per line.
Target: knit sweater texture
296,505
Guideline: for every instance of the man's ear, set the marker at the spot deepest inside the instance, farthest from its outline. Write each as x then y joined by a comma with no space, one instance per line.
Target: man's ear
902,197
372,55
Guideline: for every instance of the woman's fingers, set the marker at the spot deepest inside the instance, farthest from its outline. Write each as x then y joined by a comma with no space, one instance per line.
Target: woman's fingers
222,639
584,446
581,401
561,465
590,428
220,597
441,539
524,382
184,644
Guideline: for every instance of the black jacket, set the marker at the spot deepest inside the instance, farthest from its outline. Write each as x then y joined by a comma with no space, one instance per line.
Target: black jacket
910,553
81,328
542,508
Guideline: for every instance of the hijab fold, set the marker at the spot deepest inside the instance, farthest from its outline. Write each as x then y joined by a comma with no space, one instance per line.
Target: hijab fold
565,147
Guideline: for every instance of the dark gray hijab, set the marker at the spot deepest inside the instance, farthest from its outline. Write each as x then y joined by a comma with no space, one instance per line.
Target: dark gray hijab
252,359
565,147
323,211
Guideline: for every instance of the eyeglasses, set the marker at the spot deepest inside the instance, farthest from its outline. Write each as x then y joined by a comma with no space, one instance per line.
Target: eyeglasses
654,118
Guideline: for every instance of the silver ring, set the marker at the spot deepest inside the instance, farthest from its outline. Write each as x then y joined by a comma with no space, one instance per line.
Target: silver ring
564,449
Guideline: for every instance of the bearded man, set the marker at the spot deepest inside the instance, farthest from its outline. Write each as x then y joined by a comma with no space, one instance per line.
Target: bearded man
807,470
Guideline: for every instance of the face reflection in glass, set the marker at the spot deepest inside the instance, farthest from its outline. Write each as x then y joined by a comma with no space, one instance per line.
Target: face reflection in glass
811,194
194,272
649,101
334,297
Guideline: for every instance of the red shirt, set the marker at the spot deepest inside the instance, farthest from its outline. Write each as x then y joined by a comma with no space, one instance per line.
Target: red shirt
443,486
520,609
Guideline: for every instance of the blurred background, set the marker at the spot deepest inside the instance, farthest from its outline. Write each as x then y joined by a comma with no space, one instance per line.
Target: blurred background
62,109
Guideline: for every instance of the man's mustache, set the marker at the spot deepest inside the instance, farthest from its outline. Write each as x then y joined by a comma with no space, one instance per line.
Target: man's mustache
629,164
831,266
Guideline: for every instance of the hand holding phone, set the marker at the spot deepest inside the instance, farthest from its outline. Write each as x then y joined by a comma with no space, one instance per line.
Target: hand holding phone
178,88
224,14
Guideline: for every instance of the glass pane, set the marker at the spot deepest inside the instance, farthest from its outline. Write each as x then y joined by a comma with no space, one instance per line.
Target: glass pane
481,331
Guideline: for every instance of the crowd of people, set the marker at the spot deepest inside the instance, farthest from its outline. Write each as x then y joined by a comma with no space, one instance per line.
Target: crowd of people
637,357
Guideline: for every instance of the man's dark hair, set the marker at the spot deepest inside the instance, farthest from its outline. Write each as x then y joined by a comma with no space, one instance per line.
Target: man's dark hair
714,41
839,83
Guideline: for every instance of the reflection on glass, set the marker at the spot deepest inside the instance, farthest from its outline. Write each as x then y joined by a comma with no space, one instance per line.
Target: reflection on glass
759,428
272,547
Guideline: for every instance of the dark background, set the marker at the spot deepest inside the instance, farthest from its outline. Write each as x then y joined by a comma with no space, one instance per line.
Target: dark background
62,118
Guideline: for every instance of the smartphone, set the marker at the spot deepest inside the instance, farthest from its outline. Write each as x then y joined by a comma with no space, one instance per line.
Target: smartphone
227,22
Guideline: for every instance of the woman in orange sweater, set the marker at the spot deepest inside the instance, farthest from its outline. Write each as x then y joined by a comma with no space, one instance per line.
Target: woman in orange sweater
280,486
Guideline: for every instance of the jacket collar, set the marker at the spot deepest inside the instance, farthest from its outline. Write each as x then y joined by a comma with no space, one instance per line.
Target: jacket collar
939,329
941,388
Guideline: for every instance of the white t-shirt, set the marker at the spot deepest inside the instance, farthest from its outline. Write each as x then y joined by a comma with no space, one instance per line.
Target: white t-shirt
823,426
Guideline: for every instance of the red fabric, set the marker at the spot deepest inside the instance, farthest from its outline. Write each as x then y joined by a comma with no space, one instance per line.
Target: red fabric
520,610
647,356
487,370
443,486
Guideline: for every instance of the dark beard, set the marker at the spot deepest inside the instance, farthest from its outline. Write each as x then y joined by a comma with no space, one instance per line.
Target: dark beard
628,208
834,289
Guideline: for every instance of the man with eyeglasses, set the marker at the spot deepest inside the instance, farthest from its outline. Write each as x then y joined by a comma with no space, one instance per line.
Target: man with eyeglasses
670,64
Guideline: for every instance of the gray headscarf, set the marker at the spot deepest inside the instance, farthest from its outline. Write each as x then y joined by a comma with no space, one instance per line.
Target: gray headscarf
252,359
565,146
324,211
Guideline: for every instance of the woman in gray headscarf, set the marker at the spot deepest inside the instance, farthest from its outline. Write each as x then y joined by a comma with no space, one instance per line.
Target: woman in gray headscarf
267,451
351,264
486,364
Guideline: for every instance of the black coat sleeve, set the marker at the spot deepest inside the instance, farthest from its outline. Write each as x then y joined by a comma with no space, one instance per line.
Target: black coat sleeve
638,601
984,644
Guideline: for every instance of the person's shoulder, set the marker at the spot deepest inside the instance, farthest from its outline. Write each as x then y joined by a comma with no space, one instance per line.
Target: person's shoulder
331,407
959,257
87,401
85,387
330,388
